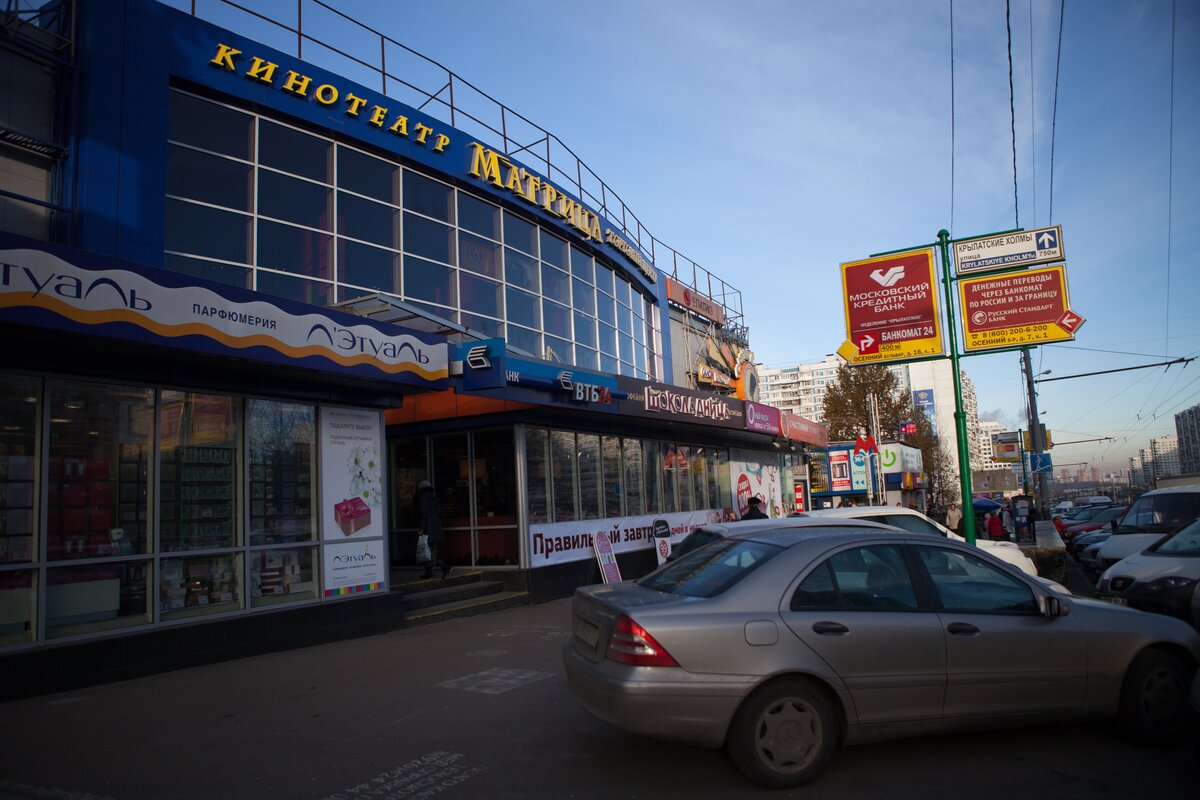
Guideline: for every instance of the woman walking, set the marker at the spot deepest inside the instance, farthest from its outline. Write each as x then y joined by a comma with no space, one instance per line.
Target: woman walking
429,518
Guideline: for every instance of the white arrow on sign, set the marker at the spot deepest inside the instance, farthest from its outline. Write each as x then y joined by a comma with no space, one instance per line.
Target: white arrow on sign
865,342
1046,240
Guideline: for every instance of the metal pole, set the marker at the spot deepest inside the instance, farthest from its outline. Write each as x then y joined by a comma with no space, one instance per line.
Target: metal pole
960,416
1024,463
1035,435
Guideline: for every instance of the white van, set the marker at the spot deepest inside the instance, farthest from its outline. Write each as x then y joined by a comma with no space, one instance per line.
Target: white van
1061,508
1151,517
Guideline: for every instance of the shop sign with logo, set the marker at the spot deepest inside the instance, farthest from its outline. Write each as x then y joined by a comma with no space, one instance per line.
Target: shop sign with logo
672,403
54,287
763,419
684,295
796,427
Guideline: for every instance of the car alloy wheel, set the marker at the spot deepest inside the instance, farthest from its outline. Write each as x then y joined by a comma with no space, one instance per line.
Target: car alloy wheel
1154,698
784,734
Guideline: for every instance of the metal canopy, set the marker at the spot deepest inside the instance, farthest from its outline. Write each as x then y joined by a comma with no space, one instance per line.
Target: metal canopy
389,310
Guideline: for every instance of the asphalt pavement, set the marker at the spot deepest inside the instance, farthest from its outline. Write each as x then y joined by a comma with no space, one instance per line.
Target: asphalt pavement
479,708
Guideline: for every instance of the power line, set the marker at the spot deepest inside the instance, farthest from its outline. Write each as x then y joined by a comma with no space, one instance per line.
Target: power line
952,117
1012,111
1032,119
1170,182
1054,116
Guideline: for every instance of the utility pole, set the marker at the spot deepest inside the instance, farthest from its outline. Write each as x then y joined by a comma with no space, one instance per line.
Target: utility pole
1035,432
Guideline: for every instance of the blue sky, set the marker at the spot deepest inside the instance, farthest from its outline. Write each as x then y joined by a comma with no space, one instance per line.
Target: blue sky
772,140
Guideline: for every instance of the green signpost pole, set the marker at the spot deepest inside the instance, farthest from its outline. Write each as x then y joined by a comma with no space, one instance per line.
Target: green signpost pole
960,416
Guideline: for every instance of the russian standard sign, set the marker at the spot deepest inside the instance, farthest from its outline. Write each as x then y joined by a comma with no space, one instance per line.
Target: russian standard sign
1017,249
891,308
1017,308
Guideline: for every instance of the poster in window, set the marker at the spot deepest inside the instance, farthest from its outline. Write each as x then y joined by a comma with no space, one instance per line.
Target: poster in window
351,474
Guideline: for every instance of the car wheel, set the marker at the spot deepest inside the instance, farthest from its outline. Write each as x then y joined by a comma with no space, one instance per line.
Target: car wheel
784,734
1154,699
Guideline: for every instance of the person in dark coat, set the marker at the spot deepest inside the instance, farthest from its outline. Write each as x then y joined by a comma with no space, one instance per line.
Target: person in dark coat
995,527
754,512
429,520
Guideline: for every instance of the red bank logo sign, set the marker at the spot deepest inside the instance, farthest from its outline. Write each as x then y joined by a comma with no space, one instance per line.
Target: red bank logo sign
891,308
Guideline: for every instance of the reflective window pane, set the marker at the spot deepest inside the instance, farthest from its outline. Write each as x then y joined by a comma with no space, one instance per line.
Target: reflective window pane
478,217
624,321
314,293
635,499
428,197
296,250
606,309
563,458
520,270
609,364
282,441
424,280
555,284
199,471
200,585
523,308
520,233
20,410
478,255
20,593
282,576
585,330
554,250
604,279
586,357
589,476
492,328
97,597
210,126
423,237
99,470
479,295
209,178
610,461
556,319
293,200
583,296
558,350
372,267
581,265
369,221
368,175
294,151
607,339
622,287
204,231
537,459
208,270
527,340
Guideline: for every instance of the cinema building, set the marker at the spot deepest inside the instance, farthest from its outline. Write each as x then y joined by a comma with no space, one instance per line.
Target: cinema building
250,301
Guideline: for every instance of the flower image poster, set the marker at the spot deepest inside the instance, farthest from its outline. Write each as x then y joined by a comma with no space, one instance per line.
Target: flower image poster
352,451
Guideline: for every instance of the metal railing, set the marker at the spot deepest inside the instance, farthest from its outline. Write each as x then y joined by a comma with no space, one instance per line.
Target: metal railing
399,72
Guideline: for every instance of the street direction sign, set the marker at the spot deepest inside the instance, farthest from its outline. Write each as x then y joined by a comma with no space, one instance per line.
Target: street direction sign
891,308
1017,308
1041,463
1017,249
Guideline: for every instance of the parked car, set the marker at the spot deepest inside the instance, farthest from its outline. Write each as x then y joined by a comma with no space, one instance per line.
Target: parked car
1061,508
781,642
1089,557
1083,541
1162,578
910,520
1150,517
1082,514
1103,518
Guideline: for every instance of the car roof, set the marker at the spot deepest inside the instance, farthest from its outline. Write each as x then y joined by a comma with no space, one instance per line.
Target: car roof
1192,489
856,512
758,527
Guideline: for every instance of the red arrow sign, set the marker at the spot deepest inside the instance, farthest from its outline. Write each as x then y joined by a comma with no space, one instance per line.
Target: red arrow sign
868,344
1070,321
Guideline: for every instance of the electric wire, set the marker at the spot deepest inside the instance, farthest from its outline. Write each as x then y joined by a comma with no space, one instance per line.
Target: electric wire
1012,111
1032,121
1170,180
1054,114
952,118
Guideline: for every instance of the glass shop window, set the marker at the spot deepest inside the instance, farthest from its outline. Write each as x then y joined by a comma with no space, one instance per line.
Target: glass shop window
652,470
537,459
610,459
199,472
282,442
589,476
200,585
100,446
96,597
20,410
282,576
563,460
635,495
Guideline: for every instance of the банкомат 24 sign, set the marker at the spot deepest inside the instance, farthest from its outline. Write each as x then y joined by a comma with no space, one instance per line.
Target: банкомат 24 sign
53,287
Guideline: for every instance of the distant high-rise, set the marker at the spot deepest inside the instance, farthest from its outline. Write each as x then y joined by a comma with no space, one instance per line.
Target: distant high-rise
1187,432
1164,450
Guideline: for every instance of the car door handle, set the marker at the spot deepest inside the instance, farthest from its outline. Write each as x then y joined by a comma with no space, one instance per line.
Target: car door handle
962,629
830,628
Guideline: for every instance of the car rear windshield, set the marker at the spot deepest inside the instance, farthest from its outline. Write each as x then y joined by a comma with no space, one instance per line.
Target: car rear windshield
711,570
1183,543
1158,513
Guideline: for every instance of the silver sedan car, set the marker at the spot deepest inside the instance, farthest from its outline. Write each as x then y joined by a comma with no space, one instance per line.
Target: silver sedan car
783,639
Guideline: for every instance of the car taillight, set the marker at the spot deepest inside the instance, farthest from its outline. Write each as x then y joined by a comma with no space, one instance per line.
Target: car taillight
630,643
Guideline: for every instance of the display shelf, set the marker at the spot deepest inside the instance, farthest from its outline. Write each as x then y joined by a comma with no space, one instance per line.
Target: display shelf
198,498
281,496
17,497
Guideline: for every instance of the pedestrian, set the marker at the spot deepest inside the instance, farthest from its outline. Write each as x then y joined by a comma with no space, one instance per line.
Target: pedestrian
994,525
754,512
429,522
1006,518
953,517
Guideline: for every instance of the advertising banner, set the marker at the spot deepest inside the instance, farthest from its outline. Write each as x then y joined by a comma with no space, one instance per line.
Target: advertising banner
818,471
755,474
923,401
354,568
859,465
839,470
563,542
795,427
763,419
1006,446
674,404
693,301
352,450
1017,308
891,308
55,287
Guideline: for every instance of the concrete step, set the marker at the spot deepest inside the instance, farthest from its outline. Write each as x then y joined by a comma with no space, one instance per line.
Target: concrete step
449,592
468,607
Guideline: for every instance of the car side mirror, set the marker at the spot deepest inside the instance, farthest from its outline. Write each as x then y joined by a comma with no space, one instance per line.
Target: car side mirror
1053,607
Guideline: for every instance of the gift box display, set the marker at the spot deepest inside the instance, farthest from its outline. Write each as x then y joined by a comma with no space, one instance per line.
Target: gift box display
352,515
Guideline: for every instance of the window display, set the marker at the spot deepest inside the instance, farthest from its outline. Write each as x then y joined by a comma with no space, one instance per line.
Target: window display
199,435
282,576
96,597
17,596
20,409
282,438
197,586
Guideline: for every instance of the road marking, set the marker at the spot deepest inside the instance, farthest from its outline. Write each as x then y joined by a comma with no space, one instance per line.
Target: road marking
423,777
496,681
